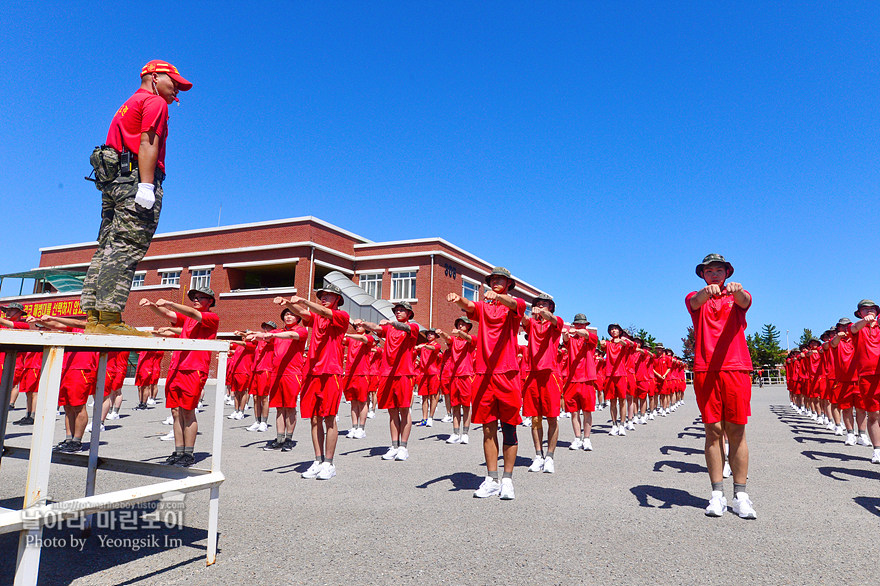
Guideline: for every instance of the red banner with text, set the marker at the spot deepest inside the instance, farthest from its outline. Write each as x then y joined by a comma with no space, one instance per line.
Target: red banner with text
67,308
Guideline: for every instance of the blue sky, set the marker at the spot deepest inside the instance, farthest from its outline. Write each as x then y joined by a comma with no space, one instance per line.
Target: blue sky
599,152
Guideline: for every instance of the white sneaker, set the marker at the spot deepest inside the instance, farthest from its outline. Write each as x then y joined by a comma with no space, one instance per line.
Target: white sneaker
313,470
507,489
622,430
391,453
168,437
575,444
247,407
239,416
113,415
429,422
232,415
371,414
199,407
447,419
350,433
726,472
875,459
263,426
537,464
864,440
549,467
464,439
360,433
169,420
253,426
229,401
742,506
615,430
717,504
631,426
587,445
454,439
830,426
402,454
850,439
326,471
527,421
838,430
488,488
651,416
565,415
151,401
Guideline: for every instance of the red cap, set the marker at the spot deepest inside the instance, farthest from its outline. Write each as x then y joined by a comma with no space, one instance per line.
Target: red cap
157,66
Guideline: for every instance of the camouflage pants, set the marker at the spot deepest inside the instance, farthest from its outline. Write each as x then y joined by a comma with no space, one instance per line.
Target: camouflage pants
123,239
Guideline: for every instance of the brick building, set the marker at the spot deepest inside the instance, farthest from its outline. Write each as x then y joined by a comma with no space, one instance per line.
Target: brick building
249,264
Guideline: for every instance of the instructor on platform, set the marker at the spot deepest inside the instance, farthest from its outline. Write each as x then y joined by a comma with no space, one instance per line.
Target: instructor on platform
129,171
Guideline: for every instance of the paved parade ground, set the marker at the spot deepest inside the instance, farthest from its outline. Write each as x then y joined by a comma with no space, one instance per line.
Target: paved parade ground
629,512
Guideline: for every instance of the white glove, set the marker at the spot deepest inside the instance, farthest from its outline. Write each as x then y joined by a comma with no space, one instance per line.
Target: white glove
145,196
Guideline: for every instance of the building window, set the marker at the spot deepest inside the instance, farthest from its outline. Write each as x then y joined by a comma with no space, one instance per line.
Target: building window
372,284
171,278
470,290
201,279
403,285
138,281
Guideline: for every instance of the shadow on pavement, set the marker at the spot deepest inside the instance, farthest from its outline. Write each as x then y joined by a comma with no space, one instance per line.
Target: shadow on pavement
814,455
691,434
459,480
685,451
821,440
371,452
870,503
682,467
669,497
837,473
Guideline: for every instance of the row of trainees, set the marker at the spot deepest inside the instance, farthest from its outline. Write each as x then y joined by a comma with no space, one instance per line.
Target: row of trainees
185,381
835,380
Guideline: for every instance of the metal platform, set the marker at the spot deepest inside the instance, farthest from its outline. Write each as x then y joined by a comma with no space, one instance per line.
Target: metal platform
35,512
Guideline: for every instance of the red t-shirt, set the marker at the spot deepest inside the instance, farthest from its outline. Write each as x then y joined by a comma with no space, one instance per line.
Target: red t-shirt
460,361
325,345
496,336
429,358
543,348
288,353
845,365
117,361
615,358
199,360
719,334
359,354
867,341
397,355
264,357
243,358
581,358
151,359
140,113
644,366
79,360
814,364
661,365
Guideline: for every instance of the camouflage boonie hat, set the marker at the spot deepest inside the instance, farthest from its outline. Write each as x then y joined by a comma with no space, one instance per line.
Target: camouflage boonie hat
269,324
15,305
580,318
709,259
463,319
816,340
427,331
843,322
331,288
547,298
615,326
406,305
501,271
205,291
865,303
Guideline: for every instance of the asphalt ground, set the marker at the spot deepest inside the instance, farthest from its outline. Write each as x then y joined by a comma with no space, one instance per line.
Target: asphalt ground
631,511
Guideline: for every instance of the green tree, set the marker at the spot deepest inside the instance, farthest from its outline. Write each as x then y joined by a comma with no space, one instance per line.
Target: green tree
770,352
806,336
755,345
650,340
687,347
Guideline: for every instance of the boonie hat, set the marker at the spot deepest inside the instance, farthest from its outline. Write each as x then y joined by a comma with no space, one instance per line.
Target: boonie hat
547,298
504,273
269,324
865,303
580,318
331,288
15,305
406,305
464,320
843,322
205,291
159,66
709,259
615,326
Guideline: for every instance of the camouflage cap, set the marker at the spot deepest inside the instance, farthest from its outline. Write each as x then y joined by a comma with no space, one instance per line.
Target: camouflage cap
15,305
816,340
463,319
427,331
269,324
580,318
843,322
330,288
501,271
610,326
709,259
548,299
865,303
406,305
191,294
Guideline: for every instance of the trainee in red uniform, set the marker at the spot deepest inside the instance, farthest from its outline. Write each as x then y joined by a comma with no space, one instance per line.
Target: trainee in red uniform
542,389
580,382
287,368
867,352
429,367
149,367
242,367
357,369
188,371
397,367
460,365
79,375
322,389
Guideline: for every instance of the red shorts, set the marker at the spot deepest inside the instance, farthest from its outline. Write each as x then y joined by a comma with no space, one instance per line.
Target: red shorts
497,396
643,388
848,394
113,381
29,380
395,392
724,395
461,390
321,395
630,384
615,387
241,381
830,390
869,387
183,388
76,386
147,376
804,388
261,383
284,390
580,397
445,384
543,394
357,387
429,384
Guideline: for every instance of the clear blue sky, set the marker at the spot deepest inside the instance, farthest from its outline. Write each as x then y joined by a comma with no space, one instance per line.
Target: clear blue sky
598,152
